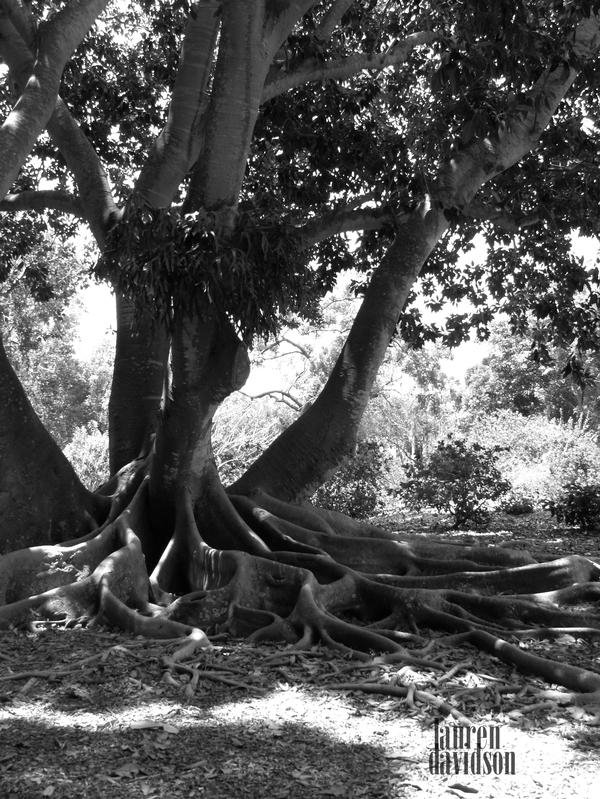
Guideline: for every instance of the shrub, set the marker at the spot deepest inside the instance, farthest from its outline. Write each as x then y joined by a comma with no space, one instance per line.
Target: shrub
539,456
460,478
358,486
88,453
578,505
517,504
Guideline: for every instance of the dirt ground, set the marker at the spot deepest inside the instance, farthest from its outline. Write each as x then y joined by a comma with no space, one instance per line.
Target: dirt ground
89,713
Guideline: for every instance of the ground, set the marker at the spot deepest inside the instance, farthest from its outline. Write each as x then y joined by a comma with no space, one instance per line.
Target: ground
91,713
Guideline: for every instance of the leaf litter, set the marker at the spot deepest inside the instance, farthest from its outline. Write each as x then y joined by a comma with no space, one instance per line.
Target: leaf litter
86,712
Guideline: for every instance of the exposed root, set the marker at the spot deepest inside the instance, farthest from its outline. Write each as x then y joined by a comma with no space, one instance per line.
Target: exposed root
277,578
405,692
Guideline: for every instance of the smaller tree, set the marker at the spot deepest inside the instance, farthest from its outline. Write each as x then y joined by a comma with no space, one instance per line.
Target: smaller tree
39,307
578,505
561,383
356,488
459,478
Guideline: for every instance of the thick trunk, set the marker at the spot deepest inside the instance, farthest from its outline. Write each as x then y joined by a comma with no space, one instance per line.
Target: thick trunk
139,372
209,362
41,497
302,457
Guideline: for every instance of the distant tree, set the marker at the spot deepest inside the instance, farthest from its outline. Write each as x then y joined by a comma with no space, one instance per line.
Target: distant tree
39,327
413,401
562,385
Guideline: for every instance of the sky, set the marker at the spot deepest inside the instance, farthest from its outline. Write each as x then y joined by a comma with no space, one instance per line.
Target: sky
97,318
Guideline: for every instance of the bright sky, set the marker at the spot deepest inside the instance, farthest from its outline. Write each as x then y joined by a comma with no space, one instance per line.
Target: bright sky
96,320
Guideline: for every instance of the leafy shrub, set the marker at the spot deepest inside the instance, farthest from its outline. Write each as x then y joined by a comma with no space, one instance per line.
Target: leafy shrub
537,455
88,453
460,478
517,505
358,486
578,505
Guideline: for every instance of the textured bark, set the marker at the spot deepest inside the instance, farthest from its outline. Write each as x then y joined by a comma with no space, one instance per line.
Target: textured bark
301,595
41,498
141,354
176,148
58,38
243,61
208,363
248,563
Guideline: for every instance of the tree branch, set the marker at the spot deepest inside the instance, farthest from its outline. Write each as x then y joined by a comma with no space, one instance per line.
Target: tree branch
82,160
343,221
177,146
14,11
331,19
298,348
280,396
43,201
281,19
482,159
512,223
59,37
312,70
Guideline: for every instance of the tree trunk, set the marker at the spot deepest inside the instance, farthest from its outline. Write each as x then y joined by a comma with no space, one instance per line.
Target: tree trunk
141,355
209,363
41,497
308,451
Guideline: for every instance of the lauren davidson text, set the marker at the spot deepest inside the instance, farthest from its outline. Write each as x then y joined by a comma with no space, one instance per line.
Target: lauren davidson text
469,750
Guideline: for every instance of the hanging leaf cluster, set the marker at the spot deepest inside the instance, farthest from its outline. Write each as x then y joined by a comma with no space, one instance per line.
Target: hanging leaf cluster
255,274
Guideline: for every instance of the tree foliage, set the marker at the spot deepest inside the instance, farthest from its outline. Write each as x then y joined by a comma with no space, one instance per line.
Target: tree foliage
39,328
578,505
458,478
561,386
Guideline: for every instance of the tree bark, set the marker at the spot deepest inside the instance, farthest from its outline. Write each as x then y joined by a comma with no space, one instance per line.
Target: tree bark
41,497
58,38
141,355
209,362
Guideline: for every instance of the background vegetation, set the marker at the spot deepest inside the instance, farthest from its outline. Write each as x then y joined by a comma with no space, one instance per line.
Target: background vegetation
538,416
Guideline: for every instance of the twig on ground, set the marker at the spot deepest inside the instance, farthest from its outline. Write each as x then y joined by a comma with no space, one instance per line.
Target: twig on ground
403,691
57,674
466,664
208,675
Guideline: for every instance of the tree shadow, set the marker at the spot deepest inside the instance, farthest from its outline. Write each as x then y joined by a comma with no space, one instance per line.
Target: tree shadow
188,758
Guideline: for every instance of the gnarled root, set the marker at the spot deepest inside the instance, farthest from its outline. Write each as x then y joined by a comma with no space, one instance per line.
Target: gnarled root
277,579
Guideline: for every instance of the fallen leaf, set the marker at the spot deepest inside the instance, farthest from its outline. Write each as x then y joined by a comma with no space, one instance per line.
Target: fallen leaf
334,790
127,769
171,728
398,755
146,724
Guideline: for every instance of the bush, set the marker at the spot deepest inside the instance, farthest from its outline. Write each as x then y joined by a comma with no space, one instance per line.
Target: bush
357,488
537,455
517,505
88,453
578,505
460,478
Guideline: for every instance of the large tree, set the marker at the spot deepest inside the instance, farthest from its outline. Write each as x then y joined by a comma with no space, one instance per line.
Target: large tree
245,138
